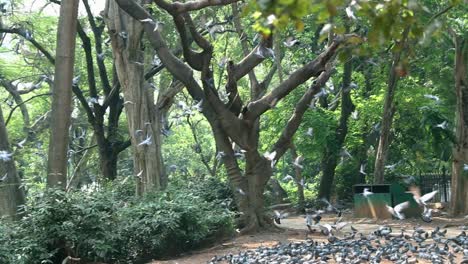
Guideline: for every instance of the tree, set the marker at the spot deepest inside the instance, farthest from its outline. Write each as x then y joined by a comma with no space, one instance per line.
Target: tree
397,70
334,149
61,95
459,199
235,123
143,117
11,193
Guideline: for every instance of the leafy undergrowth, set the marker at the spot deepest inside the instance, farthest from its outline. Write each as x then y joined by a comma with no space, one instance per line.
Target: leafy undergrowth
110,225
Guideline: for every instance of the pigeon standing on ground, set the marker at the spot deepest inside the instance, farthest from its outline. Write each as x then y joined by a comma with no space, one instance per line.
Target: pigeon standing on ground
366,192
426,216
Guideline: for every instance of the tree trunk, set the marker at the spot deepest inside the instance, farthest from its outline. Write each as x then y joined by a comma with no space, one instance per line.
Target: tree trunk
388,112
332,150
459,199
61,97
11,195
142,116
257,173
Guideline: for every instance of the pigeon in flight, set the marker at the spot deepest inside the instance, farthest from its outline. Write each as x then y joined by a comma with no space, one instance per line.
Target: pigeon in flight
5,156
421,200
297,162
396,211
279,215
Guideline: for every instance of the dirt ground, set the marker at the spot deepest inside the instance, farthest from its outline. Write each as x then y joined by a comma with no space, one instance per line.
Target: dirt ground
294,229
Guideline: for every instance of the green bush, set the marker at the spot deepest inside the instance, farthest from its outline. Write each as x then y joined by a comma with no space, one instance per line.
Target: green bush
109,226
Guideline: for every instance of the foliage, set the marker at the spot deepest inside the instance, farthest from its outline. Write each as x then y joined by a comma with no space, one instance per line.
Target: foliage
111,225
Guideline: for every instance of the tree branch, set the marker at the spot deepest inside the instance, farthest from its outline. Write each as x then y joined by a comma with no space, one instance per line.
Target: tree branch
298,77
18,105
22,32
178,7
283,143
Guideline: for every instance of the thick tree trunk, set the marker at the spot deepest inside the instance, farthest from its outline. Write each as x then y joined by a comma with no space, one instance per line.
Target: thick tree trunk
61,97
388,112
329,162
459,199
142,115
257,173
11,195
331,155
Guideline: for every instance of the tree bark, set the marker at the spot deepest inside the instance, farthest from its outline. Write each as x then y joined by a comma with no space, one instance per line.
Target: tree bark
61,97
142,116
459,199
332,150
388,113
11,195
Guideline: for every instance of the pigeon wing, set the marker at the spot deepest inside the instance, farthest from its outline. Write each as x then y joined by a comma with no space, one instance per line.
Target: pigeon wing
340,225
402,206
428,196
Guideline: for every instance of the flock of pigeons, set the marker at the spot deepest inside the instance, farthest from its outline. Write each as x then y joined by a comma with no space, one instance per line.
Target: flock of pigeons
352,246
382,245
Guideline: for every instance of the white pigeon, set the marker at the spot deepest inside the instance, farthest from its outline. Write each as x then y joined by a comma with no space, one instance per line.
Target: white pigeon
4,177
396,211
339,226
310,132
421,200
433,97
290,41
288,178
366,192
241,191
21,143
198,106
5,156
297,162
220,155
325,228
330,207
391,167
442,125
146,141
362,169
270,156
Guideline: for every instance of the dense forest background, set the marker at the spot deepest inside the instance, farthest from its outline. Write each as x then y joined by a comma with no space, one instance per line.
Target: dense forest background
141,129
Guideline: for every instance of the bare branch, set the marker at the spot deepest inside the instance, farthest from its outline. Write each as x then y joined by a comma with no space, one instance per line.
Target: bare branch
97,31
22,32
89,61
25,101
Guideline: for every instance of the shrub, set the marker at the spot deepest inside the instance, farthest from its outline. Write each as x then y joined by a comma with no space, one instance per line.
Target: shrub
110,226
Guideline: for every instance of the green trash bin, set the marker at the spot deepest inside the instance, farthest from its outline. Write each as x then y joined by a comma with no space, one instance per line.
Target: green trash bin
374,205
400,195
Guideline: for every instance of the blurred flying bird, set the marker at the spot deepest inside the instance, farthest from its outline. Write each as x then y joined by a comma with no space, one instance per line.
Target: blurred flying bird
297,162
396,211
